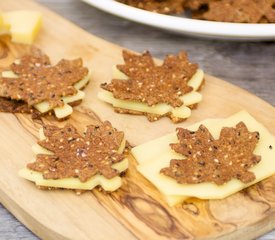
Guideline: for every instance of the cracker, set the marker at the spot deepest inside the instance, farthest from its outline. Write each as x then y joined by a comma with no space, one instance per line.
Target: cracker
68,154
210,160
166,7
13,106
242,11
233,11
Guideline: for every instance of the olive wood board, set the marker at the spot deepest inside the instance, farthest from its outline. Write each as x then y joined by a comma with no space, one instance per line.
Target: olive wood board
137,210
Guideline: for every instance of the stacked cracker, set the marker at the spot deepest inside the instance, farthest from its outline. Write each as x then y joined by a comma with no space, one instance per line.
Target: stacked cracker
32,84
141,87
67,159
211,159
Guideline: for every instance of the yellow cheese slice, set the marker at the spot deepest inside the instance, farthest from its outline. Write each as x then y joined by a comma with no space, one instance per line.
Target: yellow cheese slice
4,28
66,109
1,20
9,74
37,149
196,81
161,108
264,169
24,25
117,74
74,183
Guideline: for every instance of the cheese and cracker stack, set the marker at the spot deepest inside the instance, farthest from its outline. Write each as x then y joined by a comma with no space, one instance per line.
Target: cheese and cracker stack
140,87
209,160
67,159
41,86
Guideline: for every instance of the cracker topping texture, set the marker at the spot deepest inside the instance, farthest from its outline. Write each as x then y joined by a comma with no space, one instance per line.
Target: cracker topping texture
152,84
211,160
74,155
39,81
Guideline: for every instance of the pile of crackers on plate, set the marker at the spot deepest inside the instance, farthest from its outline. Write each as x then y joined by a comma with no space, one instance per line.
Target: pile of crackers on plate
239,11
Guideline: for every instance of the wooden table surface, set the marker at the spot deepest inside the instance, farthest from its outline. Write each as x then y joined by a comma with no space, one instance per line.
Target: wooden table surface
248,65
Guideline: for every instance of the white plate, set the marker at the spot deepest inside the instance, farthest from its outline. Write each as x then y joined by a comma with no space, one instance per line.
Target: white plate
186,25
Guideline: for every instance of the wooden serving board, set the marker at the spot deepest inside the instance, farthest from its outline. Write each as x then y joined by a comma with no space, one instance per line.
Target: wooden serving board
137,210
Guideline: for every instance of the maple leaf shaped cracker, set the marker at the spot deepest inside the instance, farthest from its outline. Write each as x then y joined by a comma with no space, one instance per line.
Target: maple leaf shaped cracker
246,11
37,81
152,84
77,156
210,160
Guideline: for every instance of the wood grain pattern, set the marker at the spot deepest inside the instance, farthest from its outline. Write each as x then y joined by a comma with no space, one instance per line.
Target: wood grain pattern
137,210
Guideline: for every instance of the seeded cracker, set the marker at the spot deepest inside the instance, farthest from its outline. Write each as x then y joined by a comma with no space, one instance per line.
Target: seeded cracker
38,81
151,84
79,156
12,106
210,160
243,11
167,6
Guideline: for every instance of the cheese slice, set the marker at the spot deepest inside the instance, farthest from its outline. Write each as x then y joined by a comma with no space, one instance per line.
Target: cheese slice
160,109
9,74
184,111
4,28
117,74
74,183
1,20
168,186
71,183
66,109
23,25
